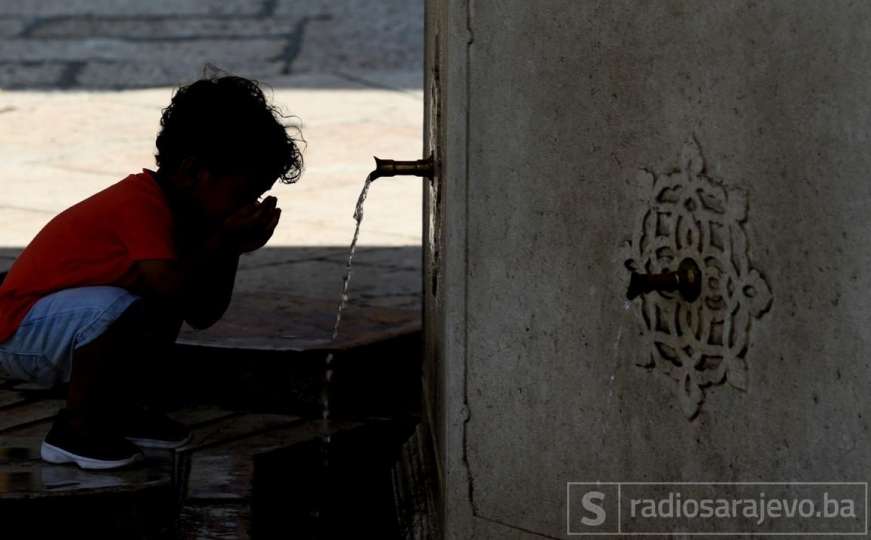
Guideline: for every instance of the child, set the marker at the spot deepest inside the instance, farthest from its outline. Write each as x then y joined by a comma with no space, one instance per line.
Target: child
99,295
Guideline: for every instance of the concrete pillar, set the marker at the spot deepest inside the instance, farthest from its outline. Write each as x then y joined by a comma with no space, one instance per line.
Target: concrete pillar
582,140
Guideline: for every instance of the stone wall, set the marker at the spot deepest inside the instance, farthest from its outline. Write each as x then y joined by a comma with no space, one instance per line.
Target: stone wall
580,141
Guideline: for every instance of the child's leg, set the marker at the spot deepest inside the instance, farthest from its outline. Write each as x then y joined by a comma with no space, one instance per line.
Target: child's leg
95,338
115,373
152,366
104,376
41,350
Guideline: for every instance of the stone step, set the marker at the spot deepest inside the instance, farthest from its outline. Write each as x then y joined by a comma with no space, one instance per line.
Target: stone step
134,502
26,413
236,475
11,397
287,482
43,500
341,488
269,351
216,500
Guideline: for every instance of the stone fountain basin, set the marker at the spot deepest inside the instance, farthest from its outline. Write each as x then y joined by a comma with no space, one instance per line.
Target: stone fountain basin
268,353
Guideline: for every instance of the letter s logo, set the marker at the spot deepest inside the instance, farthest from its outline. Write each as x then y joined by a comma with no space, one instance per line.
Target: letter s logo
589,501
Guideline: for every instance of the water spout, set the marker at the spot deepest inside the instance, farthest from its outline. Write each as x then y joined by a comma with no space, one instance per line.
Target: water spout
383,167
687,280
388,167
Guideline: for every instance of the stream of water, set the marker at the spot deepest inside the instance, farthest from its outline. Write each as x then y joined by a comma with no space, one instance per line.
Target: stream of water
328,362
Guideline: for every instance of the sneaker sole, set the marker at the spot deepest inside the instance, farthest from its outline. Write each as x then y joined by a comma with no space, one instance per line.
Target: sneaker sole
53,454
157,443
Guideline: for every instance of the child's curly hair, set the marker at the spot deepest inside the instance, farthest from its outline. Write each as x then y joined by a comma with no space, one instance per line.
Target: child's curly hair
224,123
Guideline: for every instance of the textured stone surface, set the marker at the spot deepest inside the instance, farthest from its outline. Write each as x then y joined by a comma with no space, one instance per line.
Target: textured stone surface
362,35
128,7
38,74
189,56
157,28
111,44
388,285
11,27
550,376
121,74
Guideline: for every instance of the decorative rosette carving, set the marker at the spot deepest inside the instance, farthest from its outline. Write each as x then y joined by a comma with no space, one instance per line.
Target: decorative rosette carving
705,342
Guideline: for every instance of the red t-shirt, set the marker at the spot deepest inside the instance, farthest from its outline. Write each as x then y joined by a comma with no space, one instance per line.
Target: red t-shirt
94,242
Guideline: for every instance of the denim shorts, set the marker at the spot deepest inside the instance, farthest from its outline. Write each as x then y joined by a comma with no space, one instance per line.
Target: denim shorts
41,350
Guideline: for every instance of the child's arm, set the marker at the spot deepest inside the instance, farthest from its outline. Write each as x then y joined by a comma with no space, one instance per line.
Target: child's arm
198,285
174,284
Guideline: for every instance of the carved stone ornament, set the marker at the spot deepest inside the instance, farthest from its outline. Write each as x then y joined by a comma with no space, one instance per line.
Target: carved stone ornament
697,344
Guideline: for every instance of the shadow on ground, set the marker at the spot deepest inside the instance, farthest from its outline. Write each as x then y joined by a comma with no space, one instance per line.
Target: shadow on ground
382,276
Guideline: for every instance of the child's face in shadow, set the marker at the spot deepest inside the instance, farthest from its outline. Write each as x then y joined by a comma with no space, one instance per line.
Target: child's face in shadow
221,195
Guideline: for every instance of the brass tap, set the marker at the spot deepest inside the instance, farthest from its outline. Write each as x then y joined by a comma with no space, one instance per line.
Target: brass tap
687,280
389,167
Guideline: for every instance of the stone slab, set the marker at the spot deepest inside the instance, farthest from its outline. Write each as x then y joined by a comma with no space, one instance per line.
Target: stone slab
28,413
391,36
228,521
39,480
323,279
229,428
266,321
225,472
11,27
11,397
36,74
191,53
115,8
155,28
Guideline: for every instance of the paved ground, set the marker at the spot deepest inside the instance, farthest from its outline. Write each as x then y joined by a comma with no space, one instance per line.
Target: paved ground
134,44
82,84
